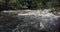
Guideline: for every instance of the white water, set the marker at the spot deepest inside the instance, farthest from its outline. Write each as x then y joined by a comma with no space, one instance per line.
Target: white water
38,19
39,13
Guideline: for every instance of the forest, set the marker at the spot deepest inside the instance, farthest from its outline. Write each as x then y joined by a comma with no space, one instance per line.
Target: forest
28,4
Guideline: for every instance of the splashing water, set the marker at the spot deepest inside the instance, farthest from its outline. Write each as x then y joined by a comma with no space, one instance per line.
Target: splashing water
37,21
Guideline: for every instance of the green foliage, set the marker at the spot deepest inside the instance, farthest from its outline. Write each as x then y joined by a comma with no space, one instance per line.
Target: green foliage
28,4
31,4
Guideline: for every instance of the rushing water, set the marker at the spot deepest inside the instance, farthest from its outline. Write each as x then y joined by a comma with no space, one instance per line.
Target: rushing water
37,21
32,24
